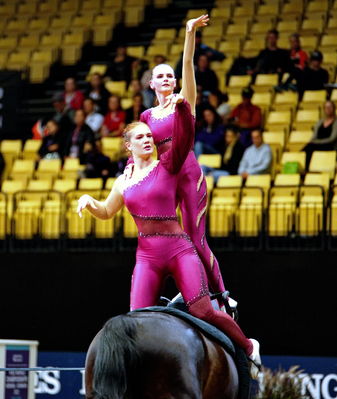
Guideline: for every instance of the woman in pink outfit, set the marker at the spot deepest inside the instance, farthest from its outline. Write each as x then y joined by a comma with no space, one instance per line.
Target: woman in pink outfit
192,189
163,247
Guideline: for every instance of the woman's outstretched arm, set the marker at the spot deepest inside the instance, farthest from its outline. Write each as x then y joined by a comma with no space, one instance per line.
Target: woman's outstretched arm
189,87
103,209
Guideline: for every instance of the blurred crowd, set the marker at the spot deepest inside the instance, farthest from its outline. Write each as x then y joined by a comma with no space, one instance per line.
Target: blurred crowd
82,118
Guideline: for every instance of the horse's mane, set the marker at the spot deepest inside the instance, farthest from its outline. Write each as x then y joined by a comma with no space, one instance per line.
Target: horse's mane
116,358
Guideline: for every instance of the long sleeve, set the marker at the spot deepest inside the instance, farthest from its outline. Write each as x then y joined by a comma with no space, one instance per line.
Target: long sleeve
263,164
182,138
328,140
244,164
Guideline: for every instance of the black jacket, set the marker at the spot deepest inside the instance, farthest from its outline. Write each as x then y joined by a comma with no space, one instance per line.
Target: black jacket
232,165
85,135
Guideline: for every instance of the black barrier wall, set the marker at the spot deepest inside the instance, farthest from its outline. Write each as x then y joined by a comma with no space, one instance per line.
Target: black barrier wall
286,300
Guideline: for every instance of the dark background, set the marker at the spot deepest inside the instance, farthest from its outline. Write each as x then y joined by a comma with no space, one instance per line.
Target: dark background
286,300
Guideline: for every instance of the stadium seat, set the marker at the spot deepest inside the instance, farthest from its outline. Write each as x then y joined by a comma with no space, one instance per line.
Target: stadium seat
136,51
318,179
76,227
311,26
249,214
26,220
236,30
48,168
10,150
230,181
18,60
298,157
260,28
265,82
64,185
104,228
285,101
133,16
287,27
231,47
3,217
51,220
111,146
237,83
278,120
30,149
287,180
211,160
323,161
29,42
164,36
118,88
90,184
221,218
109,183
8,43
17,25
306,119
22,169
313,99
129,226
309,215
252,47
298,140
220,15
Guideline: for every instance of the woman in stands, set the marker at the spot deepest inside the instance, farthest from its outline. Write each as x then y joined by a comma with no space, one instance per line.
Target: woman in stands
192,189
163,247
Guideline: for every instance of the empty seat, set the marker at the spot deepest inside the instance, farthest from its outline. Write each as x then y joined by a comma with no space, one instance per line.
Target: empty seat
287,179
306,119
237,83
23,169
323,161
298,140
48,168
285,101
30,149
118,88
10,150
211,160
313,99
111,146
76,227
64,185
278,119
51,220
90,184
265,82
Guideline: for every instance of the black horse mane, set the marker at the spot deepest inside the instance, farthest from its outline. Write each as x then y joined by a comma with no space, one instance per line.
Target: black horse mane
116,359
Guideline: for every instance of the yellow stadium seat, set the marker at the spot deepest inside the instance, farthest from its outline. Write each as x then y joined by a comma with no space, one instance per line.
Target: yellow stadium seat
230,181
30,41
112,146
7,10
109,183
3,59
238,30
38,24
97,68
331,27
298,140
274,138
48,168
287,180
309,42
64,185
69,6
23,169
136,51
118,88
27,8
234,99
246,10
90,184
8,43
306,119
309,216
265,82
318,179
298,157
311,26
18,25
26,219
230,47
259,28
76,227
263,100
129,226
287,26
285,101
211,160
323,161
328,42
220,14
18,60
51,221
104,228
48,7
313,99
195,13
10,150
133,16
155,49
90,5
221,218
164,36
249,214
237,83
3,217
84,21
316,6
281,119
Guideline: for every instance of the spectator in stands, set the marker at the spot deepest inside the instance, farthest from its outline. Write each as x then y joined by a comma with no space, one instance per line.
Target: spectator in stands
98,93
246,116
122,65
298,57
93,119
219,101
73,98
133,113
313,76
200,49
96,163
209,139
325,133
135,87
82,134
272,59
50,146
114,120
205,77
148,93
231,154
257,158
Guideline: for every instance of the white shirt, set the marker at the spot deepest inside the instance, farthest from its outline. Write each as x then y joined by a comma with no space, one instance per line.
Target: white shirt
94,121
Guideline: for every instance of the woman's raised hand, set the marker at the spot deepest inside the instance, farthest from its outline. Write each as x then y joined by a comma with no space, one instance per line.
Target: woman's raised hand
83,202
195,23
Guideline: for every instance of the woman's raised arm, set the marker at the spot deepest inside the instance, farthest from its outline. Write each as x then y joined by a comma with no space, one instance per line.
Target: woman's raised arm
189,87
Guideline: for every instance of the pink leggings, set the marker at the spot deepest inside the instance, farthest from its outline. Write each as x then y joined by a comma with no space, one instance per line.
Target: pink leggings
160,256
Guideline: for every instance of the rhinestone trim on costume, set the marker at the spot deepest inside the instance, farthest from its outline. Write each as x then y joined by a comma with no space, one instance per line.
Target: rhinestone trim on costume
155,217
168,235
166,140
201,178
202,241
200,215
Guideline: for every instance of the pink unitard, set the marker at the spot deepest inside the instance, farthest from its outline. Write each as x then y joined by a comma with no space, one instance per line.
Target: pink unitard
192,196
163,247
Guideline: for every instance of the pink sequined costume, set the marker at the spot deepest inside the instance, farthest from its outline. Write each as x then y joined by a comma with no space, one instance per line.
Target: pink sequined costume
163,247
192,196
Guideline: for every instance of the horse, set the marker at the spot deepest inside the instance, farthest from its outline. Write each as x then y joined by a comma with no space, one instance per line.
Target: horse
148,355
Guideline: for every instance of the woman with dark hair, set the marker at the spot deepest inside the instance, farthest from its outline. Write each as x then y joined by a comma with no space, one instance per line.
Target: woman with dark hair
133,113
325,132
114,120
209,139
98,93
219,101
